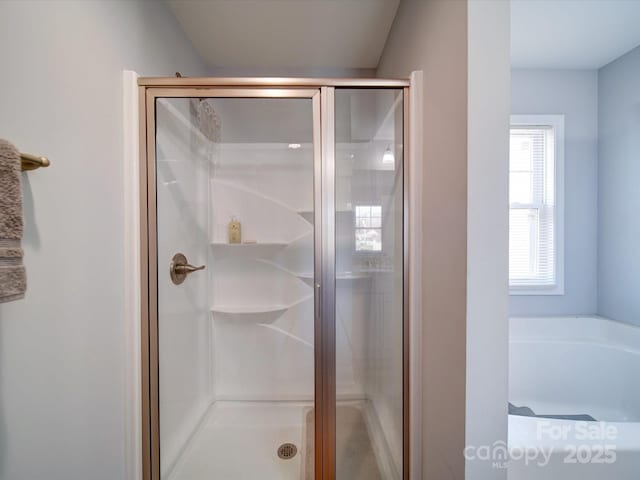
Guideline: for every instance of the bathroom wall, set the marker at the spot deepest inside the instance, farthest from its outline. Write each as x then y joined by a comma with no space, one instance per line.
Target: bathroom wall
317,72
487,235
62,349
431,35
618,190
463,50
573,93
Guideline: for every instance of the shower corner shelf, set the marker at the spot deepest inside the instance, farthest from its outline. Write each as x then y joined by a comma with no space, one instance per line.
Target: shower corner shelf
248,310
339,276
252,245
308,214
262,313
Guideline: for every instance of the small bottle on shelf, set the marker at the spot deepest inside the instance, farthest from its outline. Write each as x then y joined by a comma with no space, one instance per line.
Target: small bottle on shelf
234,231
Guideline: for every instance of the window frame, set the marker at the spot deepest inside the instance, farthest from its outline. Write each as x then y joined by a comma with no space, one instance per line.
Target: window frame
556,122
367,253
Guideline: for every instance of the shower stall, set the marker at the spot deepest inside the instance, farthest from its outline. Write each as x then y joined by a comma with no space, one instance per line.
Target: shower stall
275,279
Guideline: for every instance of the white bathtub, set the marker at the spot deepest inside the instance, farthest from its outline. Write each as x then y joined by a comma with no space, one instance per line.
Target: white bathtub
574,365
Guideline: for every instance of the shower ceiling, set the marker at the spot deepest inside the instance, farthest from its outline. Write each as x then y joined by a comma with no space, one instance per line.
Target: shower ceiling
287,33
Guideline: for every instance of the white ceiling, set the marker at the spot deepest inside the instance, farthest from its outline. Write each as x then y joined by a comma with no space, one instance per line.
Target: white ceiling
287,33
572,33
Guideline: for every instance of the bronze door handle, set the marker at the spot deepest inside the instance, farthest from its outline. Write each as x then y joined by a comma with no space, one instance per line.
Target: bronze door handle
180,268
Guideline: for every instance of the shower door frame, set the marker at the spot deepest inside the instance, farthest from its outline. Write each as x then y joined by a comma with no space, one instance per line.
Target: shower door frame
321,92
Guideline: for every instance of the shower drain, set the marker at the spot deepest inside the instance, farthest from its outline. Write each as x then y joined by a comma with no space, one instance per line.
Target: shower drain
287,451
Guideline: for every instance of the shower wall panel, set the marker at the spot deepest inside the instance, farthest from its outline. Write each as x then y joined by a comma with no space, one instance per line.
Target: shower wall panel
184,327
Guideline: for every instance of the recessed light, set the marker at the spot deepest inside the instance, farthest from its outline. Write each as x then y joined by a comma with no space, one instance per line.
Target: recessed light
294,146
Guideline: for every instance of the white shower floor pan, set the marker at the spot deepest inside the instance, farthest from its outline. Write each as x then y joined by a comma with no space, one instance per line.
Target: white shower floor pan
239,440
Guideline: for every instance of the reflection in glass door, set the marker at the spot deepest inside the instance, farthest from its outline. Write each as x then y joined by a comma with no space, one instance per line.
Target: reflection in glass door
235,183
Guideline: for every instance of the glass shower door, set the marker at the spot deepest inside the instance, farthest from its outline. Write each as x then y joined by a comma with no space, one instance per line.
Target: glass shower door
369,292
235,284
276,321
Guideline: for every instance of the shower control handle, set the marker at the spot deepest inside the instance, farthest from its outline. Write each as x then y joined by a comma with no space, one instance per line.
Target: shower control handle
187,269
180,268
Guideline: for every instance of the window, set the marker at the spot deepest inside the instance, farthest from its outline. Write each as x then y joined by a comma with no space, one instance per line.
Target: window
535,205
368,228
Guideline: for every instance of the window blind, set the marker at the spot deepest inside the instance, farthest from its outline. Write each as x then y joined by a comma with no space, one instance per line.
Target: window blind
532,212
